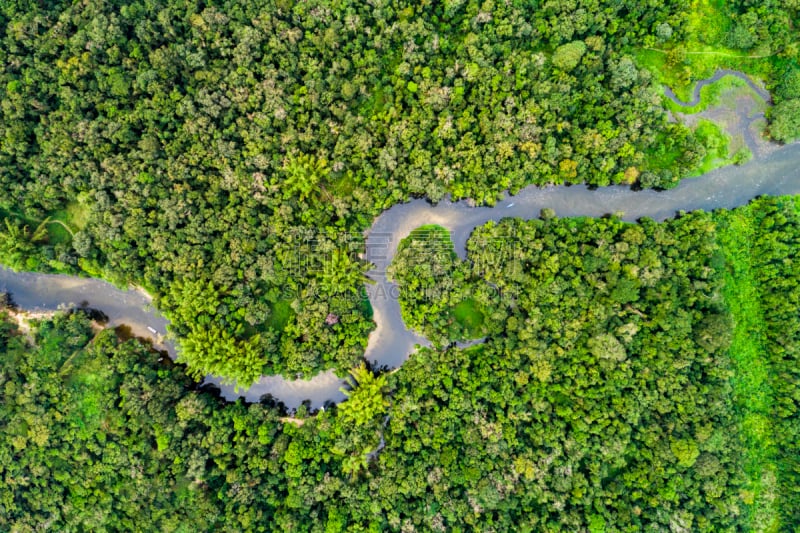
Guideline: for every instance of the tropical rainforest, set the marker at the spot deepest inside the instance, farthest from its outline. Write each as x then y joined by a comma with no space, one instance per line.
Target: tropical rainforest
622,386
227,156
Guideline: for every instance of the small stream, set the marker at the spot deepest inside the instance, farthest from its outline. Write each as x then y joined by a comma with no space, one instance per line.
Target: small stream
391,343
718,75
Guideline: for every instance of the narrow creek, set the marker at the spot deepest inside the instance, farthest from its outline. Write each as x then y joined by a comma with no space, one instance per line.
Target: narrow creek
391,343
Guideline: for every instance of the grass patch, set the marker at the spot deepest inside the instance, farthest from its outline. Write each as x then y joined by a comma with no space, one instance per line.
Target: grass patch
57,224
469,318
752,393
280,316
65,222
58,233
77,215
682,66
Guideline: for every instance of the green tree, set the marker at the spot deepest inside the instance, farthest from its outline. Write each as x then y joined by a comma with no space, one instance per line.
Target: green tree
567,56
785,126
366,397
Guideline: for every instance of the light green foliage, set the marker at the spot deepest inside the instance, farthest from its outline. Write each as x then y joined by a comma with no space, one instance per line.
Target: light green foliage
606,346
366,398
742,156
759,38
589,308
469,316
760,244
567,56
303,174
715,144
685,451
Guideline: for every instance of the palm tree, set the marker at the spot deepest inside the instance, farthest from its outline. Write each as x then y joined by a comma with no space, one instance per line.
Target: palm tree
343,274
303,176
366,398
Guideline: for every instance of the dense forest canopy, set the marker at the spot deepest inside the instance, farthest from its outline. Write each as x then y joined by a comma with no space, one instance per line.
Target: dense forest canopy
200,149
608,396
227,156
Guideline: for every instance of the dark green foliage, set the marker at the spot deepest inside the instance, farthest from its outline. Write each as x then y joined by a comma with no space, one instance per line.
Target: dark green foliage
789,84
95,435
601,298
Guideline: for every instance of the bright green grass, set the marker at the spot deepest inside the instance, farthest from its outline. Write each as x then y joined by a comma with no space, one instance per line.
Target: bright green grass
281,314
698,63
752,393
703,52
469,318
75,215
58,233
65,222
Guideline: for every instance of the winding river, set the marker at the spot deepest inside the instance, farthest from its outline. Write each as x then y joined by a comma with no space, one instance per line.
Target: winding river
391,343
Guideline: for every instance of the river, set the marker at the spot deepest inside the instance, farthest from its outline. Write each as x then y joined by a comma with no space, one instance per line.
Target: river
391,343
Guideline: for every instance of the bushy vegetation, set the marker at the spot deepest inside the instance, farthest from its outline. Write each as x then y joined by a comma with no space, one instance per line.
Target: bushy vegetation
761,244
757,37
622,386
760,38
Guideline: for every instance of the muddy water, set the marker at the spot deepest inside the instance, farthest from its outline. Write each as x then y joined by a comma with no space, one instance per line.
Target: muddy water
48,292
